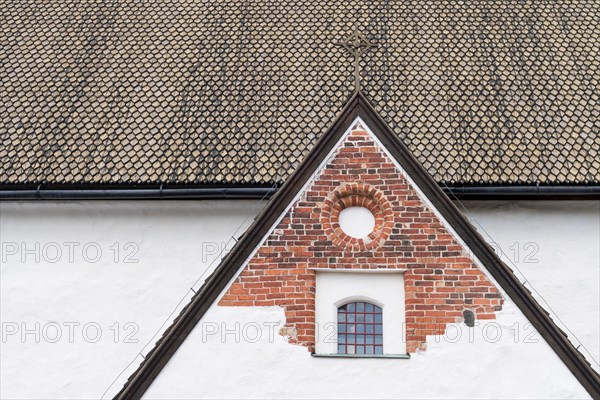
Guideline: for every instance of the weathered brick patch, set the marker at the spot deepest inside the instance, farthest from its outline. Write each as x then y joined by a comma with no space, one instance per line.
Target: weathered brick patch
441,280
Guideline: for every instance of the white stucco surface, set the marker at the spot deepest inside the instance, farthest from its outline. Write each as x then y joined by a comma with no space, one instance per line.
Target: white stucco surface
169,236
173,242
558,245
357,222
503,358
487,362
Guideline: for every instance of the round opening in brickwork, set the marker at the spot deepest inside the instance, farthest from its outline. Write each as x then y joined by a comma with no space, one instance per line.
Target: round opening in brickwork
357,222
357,216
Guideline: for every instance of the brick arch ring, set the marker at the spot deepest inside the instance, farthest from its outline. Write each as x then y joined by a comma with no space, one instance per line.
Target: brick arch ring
357,195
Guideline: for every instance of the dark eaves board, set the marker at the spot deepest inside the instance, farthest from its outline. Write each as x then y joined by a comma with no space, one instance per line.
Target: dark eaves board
357,106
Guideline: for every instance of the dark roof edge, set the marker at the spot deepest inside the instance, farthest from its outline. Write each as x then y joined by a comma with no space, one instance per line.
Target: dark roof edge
191,314
521,192
495,192
523,298
177,193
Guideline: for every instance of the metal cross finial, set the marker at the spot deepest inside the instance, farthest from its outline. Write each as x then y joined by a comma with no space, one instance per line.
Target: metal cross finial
357,45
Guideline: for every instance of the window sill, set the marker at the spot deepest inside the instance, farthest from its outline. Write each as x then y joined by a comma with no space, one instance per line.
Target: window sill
392,356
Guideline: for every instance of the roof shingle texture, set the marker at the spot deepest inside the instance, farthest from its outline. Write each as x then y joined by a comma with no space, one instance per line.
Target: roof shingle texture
237,92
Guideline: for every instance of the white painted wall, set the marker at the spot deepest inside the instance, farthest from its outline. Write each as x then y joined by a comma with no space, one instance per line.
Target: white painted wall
481,363
357,222
175,242
559,257
170,236
505,358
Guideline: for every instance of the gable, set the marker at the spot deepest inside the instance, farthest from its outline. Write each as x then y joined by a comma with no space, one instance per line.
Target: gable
429,193
441,280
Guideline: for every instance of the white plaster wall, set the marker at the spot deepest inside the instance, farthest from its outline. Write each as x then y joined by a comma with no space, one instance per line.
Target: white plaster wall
505,358
175,246
564,272
169,235
487,362
357,222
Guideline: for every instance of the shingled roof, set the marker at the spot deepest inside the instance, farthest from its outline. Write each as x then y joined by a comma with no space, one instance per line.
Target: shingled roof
237,93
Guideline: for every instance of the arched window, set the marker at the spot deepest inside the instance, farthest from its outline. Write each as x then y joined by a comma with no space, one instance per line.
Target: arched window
360,329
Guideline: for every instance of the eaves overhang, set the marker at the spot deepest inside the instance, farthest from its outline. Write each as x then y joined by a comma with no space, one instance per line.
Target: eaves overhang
222,192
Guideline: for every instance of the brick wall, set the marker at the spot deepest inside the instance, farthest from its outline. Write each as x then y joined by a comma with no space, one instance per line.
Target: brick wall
440,282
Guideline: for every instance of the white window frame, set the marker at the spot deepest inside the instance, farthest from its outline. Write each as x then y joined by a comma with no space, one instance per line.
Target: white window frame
384,288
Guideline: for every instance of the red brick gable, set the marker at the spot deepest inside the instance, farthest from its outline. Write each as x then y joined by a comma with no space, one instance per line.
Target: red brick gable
441,279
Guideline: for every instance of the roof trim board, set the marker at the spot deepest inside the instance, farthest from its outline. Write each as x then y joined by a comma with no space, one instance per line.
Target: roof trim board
191,314
485,192
357,107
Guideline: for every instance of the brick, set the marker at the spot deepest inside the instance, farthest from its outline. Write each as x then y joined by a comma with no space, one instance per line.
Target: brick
440,280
